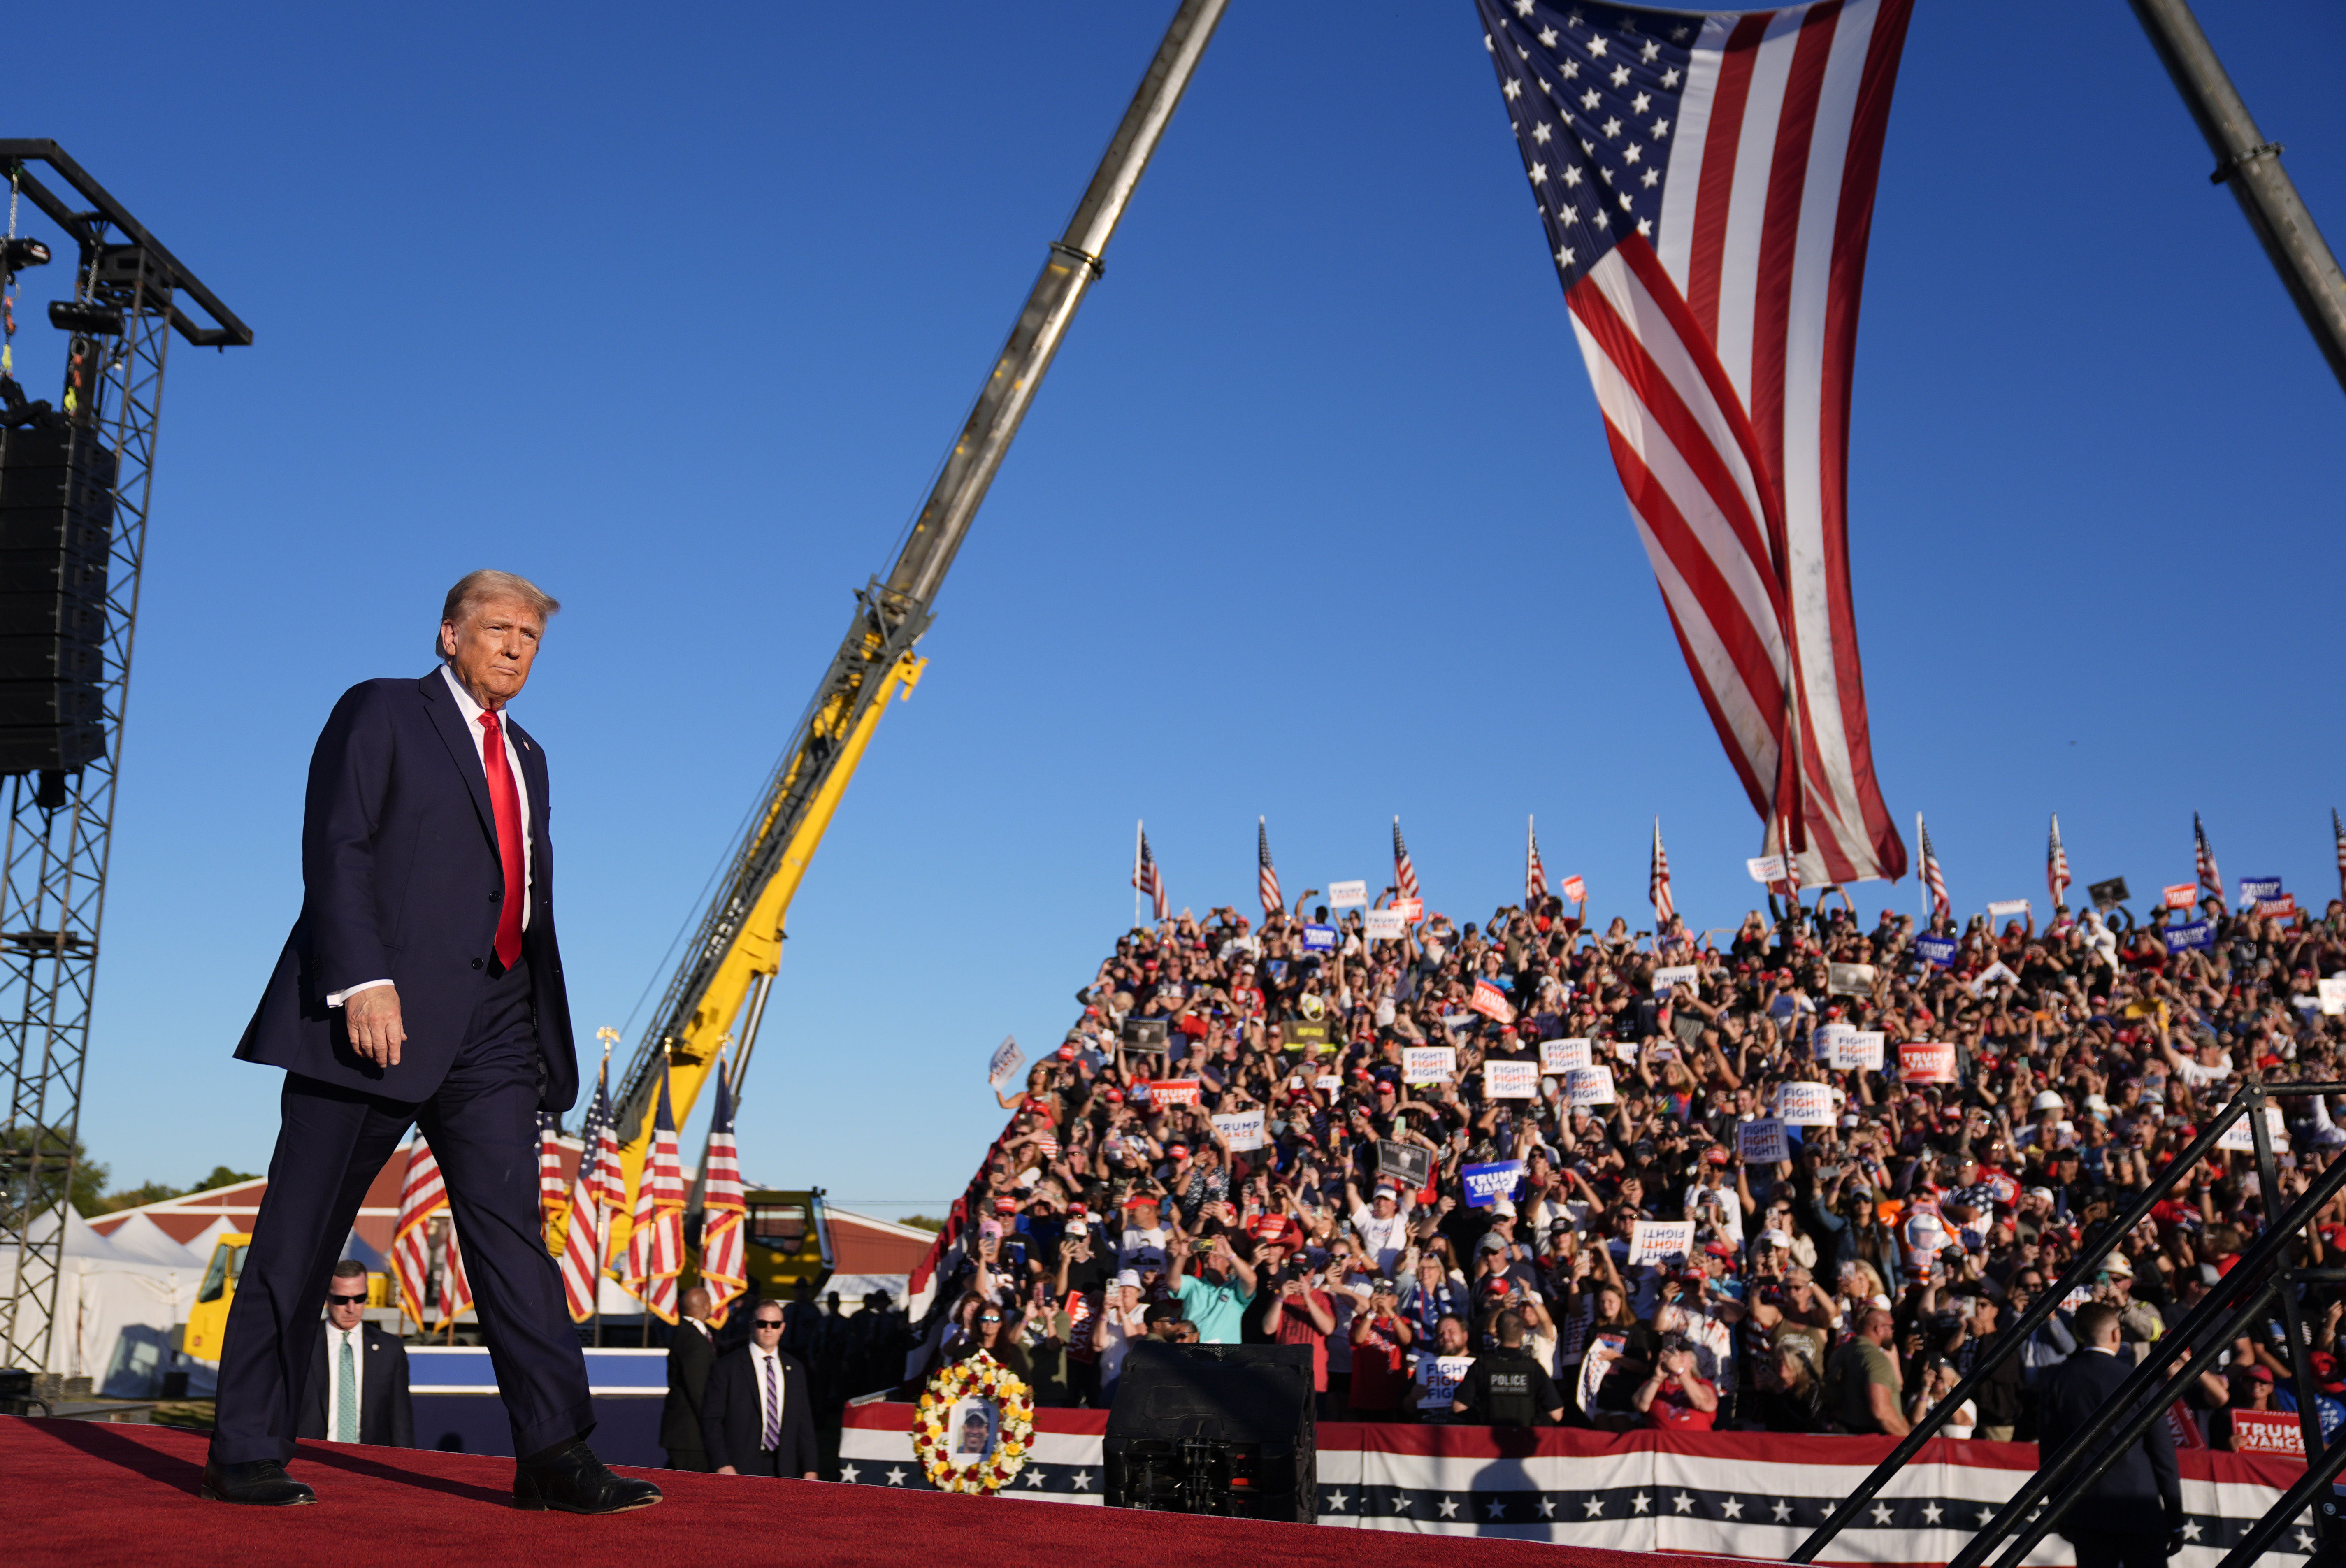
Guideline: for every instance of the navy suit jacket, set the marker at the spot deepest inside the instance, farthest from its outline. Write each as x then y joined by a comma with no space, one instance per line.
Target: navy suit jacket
402,881
2139,1495
730,1416
386,1408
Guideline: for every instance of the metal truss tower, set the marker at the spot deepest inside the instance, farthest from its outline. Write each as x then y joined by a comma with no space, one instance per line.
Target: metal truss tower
127,299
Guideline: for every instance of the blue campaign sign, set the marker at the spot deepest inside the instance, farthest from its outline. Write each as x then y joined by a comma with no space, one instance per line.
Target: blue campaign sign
1485,1185
1318,939
1937,950
2191,936
2255,887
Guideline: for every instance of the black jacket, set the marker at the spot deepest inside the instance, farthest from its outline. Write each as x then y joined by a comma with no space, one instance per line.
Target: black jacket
402,881
2139,1495
386,1411
731,1417
689,1356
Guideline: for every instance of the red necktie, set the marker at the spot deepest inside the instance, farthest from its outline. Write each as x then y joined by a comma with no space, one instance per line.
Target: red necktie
505,803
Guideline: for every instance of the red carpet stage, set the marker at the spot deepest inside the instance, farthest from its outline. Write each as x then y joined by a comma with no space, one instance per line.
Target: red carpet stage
89,1493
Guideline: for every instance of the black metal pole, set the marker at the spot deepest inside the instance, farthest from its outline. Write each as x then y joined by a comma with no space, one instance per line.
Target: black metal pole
2251,167
2300,1351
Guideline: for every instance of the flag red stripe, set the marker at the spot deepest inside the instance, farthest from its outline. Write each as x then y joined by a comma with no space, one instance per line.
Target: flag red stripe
1780,231
1742,764
1717,195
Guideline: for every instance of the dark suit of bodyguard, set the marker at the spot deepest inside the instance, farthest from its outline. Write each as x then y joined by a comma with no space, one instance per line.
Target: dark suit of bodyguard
421,985
2130,1517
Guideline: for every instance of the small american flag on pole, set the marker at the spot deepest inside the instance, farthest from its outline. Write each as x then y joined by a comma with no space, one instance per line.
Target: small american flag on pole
596,1192
1658,881
1266,876
1534,873
1148,879
455,1290
1941,907
2338,831
724,1266
551,1198
1706,185
1404,874
2056,862
421,1195
655,1239
2204,858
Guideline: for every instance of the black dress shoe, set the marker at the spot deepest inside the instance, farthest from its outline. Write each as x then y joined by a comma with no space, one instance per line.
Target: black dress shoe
573,1480
261,1483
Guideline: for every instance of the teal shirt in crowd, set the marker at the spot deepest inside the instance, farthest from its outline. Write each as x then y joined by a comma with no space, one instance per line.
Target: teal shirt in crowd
1215,1309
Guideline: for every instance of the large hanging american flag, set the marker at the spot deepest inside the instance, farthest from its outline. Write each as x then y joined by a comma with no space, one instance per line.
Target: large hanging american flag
1404,874
421,1195
724,1213
1941,907
598,1191
1707,184
1534,873
2203,859
551,1199
1658,881
2056,862
655,1237
1146,878
1266,878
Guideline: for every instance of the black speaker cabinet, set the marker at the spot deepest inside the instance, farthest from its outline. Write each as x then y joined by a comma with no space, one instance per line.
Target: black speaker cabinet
56,533
1214,1429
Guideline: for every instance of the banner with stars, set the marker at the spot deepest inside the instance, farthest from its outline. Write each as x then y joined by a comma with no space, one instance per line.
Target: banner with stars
1739,1494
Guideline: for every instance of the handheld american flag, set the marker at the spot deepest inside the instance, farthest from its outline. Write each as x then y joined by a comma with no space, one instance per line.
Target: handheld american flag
655,1239
596,1194
1266,878
1535,874
1148,879
1404,874
1658,881
2056,862
2337,832
421,1195
724,1265
2203,859
1707,185
1942,908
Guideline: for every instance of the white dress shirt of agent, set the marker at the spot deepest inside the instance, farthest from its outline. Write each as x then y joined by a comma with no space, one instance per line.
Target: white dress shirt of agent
362,1395
765,1344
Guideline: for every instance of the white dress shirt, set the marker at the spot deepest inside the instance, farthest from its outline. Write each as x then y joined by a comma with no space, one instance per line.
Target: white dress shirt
770,1412
471,711
335,1339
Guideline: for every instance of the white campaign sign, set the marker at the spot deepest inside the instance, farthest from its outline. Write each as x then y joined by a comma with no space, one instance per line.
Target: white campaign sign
1588,1086
1804,1105
1858,1048
1510,1081
1660,1241
1830,1038
1004,1065
1849,979
1999,908
1428,1064
1348,895
1382,926
1563,1055
1327,1084
2241,1138
1762,1142
1242,1130
1766,867
1674,974
2333,993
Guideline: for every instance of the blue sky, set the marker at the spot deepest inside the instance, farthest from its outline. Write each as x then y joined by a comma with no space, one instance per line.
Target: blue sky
1312,519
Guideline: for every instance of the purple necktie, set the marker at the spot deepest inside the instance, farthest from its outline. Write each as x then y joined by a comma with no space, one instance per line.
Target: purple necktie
774,1439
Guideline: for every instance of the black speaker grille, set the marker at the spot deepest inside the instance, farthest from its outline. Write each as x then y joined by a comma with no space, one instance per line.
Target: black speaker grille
56,535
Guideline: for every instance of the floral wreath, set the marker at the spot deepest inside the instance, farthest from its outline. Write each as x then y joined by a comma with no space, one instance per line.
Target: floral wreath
982,1376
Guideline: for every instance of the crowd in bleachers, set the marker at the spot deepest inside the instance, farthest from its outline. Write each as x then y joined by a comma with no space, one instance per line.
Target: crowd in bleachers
1312,1194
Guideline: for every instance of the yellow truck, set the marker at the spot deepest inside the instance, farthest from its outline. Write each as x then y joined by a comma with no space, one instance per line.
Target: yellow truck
207,1323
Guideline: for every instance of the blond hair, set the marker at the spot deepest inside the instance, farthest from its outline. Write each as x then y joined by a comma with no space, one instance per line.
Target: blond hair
473,588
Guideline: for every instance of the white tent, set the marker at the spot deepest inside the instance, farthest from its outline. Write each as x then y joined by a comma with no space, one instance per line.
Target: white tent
140,1237
115,1309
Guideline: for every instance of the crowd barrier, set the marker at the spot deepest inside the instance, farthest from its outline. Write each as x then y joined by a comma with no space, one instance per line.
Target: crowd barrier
1736,1494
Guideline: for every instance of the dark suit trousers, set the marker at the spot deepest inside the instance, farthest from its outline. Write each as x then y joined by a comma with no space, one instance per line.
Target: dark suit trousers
2106,1549
688,1459
761,1461
482,1125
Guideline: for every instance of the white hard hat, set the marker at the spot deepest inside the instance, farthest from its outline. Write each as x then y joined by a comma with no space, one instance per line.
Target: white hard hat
2047,1101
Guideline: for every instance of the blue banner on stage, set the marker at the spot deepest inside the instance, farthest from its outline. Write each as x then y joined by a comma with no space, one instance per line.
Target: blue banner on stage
1485,1185
1318,939
2191,936
1939,950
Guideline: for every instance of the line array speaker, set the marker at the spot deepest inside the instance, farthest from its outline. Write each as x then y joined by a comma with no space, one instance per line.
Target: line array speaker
56,536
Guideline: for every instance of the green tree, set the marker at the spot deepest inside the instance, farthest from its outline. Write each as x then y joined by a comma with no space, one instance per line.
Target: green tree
223,1177
31,1169
923,1222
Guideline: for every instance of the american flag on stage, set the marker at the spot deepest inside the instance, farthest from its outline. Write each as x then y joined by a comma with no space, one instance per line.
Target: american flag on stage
1658,881
1707,185
1534,873
1942,908
656,1238
1148,879
421,1195
456,1289
1266,878
598,1191
2056,862
551,1199
2203,859
1404,874
724,1264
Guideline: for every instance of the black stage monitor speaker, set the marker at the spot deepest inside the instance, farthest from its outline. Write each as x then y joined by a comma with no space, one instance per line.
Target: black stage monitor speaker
1214,1429
56,535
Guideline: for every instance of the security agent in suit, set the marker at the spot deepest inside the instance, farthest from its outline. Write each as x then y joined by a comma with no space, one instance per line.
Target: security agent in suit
746,1434
691,1351
2133,1516
358,1379
421,986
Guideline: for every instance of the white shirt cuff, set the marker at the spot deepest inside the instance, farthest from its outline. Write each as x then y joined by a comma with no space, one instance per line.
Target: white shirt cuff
336,998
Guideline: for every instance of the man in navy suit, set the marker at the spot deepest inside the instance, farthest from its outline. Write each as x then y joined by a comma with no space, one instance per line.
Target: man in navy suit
2133,1516
755,1416
421,985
